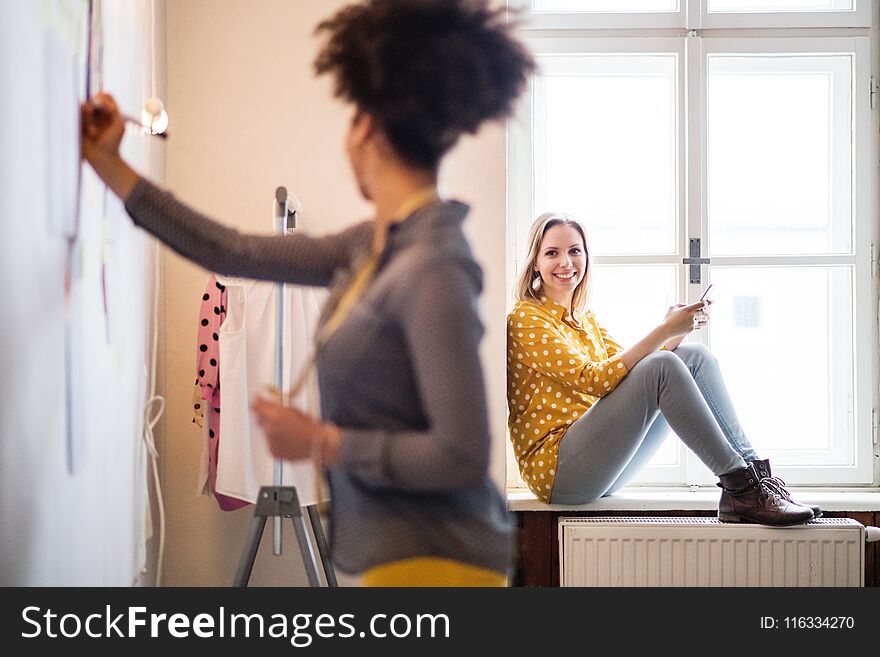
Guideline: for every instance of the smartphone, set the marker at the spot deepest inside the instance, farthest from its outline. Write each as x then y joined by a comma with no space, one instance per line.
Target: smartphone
706,293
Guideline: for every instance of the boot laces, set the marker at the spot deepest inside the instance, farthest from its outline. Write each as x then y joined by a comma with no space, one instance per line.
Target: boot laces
770,489
779,484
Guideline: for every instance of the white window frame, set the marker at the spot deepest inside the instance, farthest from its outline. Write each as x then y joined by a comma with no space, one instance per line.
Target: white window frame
859,468
699,17
865,466
533,20
690,15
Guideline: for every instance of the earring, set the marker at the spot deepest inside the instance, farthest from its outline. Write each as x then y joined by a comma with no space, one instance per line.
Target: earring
536,284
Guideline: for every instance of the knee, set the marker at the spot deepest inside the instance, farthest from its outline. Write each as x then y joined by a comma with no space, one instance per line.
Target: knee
659,365
659,359
695,352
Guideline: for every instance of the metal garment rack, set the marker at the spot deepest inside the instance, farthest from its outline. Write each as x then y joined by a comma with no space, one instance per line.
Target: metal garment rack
280,501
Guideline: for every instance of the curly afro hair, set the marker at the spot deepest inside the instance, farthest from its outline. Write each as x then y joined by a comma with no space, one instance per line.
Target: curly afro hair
426,70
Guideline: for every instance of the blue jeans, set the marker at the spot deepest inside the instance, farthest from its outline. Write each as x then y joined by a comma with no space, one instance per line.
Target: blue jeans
684,390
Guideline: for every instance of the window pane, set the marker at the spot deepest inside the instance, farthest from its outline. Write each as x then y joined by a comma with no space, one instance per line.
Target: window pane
605,144
666,454
783,336
779,154
779,5
628,302
619,6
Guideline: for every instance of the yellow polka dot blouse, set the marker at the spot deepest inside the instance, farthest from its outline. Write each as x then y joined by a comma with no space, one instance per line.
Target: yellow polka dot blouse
556,369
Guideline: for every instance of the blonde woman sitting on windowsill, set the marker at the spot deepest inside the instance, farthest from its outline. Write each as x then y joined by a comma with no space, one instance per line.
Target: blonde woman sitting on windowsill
585,414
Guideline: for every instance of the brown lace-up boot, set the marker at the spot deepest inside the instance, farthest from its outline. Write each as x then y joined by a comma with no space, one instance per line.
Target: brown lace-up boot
745,497
762,467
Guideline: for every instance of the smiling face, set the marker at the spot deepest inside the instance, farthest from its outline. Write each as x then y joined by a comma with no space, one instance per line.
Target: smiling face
561,262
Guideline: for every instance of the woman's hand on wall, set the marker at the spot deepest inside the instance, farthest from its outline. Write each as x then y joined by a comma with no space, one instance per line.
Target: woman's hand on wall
102,127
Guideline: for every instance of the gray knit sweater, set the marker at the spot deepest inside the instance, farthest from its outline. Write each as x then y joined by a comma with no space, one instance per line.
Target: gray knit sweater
401,376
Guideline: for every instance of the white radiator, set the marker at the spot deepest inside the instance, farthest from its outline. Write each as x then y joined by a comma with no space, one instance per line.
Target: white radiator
706,552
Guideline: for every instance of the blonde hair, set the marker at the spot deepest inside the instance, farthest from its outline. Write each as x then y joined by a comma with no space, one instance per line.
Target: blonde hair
525,289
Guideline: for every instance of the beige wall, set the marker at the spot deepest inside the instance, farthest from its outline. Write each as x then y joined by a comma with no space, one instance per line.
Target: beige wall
247,115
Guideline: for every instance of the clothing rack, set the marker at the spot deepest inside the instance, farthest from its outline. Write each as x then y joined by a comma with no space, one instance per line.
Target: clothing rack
279,501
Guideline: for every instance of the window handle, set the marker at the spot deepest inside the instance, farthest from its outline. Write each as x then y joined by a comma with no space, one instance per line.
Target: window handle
695,261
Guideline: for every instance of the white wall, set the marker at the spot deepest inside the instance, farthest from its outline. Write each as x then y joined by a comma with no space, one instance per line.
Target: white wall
60,526
248,115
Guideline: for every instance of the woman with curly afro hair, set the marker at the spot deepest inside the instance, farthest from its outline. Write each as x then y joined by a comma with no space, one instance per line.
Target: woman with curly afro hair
404,436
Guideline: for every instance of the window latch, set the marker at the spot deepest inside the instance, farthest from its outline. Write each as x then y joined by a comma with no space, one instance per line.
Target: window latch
695,261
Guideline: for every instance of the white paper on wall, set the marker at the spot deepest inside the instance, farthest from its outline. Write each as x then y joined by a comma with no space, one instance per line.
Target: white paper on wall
64,80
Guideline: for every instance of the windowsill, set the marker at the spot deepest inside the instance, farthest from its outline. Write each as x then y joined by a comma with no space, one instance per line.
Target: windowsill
666,499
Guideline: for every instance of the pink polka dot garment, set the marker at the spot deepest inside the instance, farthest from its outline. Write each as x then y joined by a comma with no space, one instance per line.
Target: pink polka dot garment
206,402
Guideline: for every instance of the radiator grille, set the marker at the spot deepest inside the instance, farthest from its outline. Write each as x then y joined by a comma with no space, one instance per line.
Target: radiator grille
668,551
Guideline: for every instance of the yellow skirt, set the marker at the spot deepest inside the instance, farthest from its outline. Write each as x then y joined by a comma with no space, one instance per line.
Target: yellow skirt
431,571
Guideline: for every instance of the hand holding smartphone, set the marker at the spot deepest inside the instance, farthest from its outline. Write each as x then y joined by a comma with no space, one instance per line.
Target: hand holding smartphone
705,296
703,317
